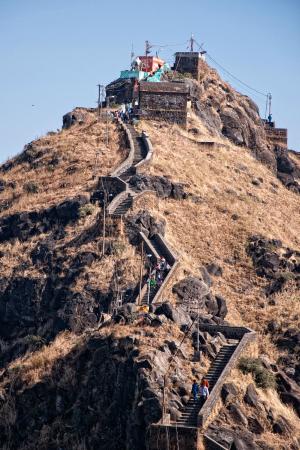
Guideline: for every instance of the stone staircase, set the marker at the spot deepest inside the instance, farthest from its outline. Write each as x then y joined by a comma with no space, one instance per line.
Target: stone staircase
189,430
123,207
137,154
194,416
140,152
148,298
158,248
139,148
189,416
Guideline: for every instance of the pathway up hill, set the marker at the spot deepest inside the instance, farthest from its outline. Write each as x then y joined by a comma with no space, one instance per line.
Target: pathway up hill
59,265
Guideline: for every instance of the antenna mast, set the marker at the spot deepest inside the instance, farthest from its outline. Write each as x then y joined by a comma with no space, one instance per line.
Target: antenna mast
131,54
269,102
192,42
148,47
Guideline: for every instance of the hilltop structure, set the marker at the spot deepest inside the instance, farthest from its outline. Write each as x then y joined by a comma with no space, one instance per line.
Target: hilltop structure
150,92
276,136
163,101
155,91
189,63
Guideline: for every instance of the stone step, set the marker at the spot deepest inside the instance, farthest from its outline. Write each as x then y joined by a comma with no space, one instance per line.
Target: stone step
191,410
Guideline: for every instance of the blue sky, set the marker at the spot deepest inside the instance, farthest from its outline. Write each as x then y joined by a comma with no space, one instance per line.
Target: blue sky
54,53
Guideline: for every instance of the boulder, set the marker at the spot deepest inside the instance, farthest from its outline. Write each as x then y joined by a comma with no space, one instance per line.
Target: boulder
128,309
149,225
149,393
206,277
25,225
255,426
183,390
72,118
273,326
288,390
237,414
292,399
232,126
69,210
270,261
275,286
251,396
191,290
277,266
152,410
214,269
232,438
285,164
175,313
229,392
281,426
79,312
21,305
161,185
173,346
222,307
42,253
211,304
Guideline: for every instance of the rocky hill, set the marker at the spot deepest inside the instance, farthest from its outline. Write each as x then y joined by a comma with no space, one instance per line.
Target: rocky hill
75,376
226,112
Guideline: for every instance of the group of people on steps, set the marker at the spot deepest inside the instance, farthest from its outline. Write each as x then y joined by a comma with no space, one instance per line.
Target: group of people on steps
201,390
158,273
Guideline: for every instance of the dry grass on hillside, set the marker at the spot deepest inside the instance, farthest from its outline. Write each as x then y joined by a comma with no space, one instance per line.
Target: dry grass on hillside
269,400
38,365
226,208
69,162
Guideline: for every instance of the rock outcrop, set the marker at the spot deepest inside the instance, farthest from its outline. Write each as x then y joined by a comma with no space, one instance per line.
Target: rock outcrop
274,262
161,185
195,294
103,392
27,224
226,112
77,116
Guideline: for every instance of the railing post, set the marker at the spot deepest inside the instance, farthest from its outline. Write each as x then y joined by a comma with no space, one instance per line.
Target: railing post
164,400
141,273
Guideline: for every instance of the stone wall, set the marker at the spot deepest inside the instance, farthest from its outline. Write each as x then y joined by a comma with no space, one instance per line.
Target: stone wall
162,437
188,62
276,136
164,101
121,90
210,444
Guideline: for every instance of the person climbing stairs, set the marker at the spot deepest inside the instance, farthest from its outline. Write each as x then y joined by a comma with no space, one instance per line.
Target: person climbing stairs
190,413
149,296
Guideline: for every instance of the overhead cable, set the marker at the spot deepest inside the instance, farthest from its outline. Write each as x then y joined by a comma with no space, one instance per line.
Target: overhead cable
234,77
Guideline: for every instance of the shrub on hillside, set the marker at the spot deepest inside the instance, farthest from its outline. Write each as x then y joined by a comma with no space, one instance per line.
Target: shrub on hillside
262,376
86,210
31,188
118,248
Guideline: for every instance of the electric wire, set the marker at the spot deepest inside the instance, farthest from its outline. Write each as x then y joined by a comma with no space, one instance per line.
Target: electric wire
234,77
